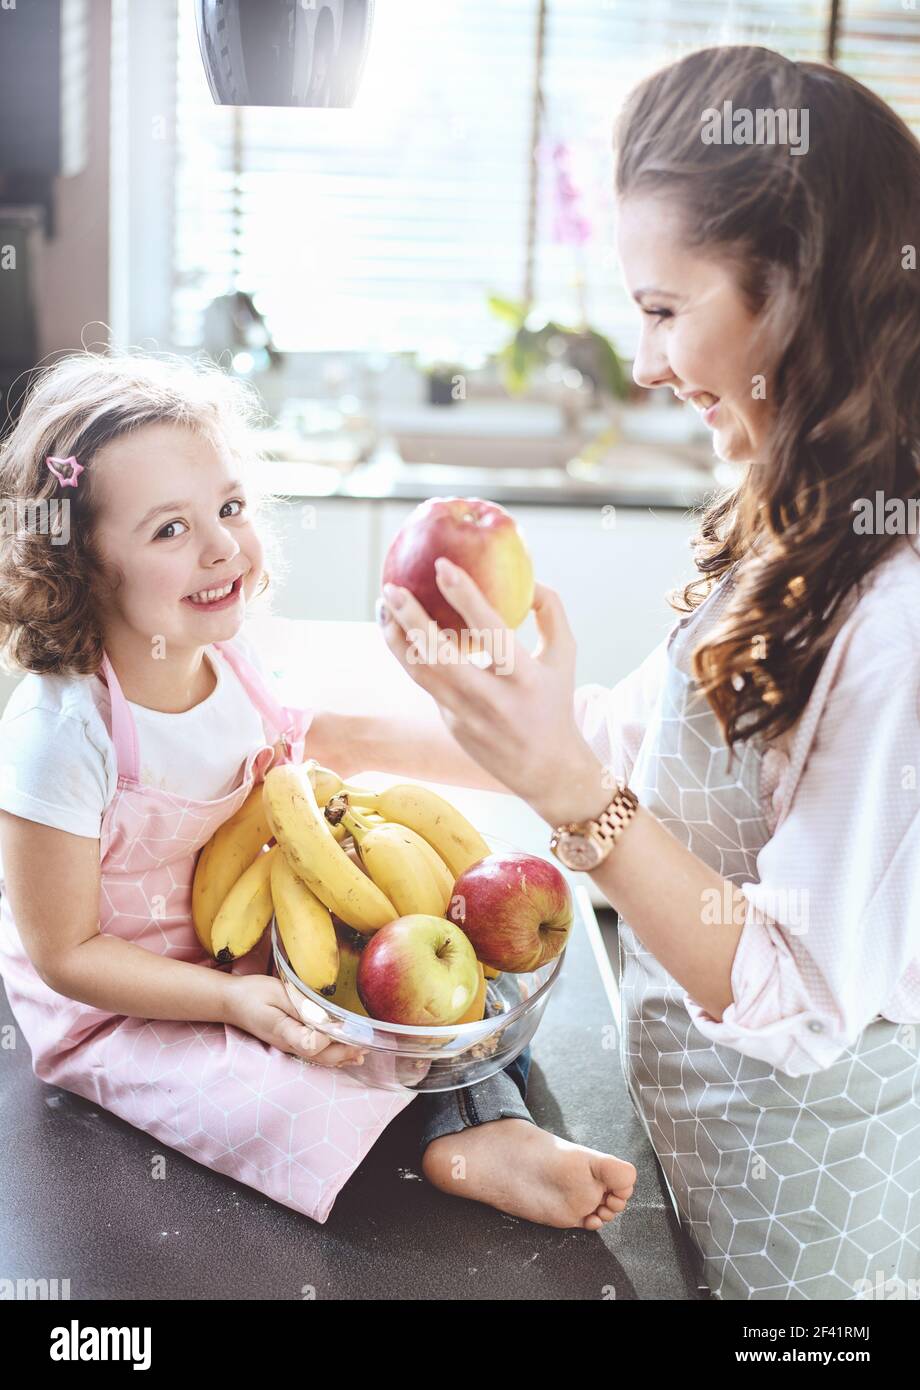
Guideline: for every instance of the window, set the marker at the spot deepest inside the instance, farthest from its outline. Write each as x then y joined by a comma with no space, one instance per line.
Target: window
380,227
385,227
879,44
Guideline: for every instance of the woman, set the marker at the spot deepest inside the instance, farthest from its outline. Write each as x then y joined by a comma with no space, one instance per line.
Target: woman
768,882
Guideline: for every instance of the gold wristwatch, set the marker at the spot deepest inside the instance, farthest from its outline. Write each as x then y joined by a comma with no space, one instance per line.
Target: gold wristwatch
583,845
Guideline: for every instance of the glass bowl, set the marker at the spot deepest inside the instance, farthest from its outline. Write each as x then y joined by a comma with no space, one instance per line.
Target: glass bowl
430,1058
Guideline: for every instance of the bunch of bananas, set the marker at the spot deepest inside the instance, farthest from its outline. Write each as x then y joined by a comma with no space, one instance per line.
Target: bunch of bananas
286,852
239,882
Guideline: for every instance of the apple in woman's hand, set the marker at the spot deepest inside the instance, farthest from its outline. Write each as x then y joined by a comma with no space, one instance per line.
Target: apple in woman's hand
515,908
482,538
418,970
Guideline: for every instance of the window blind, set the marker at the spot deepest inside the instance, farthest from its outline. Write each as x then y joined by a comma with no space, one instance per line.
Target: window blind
381,227
879,44
385,227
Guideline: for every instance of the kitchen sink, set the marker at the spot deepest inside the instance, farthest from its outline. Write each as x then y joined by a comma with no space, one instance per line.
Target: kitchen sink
488,451
519,456
648,474
541,456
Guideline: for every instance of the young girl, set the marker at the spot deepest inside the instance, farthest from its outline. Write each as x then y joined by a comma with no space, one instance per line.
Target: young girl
769,899
143,726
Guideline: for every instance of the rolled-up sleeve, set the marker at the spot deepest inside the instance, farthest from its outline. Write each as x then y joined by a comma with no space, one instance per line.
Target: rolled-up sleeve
831,935
613,719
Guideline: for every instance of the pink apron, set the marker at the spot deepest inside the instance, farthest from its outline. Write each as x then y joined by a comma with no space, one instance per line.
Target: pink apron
290,1129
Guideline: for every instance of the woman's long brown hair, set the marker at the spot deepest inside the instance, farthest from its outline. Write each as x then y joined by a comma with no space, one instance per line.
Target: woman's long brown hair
824,246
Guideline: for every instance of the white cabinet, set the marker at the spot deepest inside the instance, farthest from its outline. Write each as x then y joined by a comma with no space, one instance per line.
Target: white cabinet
612,570
320,551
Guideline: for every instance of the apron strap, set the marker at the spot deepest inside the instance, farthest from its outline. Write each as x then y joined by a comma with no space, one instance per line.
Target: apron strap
280,717
124,734
286,722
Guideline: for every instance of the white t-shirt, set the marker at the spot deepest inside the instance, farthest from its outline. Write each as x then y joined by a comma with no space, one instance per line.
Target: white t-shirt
57,761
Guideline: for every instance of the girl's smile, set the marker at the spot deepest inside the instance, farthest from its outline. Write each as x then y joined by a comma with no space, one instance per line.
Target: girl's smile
216,597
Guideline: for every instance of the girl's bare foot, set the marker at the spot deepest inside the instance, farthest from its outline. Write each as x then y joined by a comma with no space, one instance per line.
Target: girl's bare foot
513,1165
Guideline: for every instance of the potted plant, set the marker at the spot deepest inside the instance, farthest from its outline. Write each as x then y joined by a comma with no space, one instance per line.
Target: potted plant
446,381
537,342
446,377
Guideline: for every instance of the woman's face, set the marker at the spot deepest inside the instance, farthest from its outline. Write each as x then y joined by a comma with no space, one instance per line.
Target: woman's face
173,520
697,332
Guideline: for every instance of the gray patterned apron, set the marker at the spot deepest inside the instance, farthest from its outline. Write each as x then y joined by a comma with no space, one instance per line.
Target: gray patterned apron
790,1187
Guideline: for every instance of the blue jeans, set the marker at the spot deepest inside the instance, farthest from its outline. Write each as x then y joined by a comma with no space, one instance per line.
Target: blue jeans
499,1097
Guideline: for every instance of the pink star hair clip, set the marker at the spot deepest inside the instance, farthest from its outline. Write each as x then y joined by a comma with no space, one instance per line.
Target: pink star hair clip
68,479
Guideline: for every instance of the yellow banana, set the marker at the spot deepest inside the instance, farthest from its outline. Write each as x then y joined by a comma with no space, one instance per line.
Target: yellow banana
346,984
246,911
398,866
447,831
326,784
354,856
230,850
310,848
306,929
443,876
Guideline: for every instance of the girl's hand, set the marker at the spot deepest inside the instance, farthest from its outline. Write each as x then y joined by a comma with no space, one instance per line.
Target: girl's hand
259,1004
517,718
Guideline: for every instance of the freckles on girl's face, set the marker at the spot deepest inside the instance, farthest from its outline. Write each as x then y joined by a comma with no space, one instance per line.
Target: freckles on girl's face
698,335
174,522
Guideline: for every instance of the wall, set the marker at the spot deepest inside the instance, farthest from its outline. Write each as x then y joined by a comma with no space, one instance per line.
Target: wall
73,271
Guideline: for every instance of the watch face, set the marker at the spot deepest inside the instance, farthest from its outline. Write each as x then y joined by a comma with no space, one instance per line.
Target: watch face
578,852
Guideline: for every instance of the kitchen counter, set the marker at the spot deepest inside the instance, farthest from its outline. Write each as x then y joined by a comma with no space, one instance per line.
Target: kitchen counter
640,470
388,479
664,486
78,1202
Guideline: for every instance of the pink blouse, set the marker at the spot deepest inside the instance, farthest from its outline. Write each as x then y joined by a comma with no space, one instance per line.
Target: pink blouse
831,938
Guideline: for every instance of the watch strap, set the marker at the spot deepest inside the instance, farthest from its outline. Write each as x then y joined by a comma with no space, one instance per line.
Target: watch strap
610,824
603,831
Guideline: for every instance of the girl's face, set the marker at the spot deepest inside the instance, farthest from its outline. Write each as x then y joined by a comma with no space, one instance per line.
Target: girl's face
173,520
697,332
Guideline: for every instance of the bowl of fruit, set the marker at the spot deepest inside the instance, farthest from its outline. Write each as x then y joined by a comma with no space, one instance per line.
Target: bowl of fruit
396,927
399,929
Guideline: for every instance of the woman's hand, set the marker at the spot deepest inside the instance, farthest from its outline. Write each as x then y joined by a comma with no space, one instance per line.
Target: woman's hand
515,717
259,1004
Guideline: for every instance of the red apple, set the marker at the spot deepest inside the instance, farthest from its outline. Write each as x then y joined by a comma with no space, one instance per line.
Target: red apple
418,970
482,538
515,908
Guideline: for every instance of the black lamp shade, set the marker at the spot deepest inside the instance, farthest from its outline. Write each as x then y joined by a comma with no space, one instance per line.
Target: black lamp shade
284,52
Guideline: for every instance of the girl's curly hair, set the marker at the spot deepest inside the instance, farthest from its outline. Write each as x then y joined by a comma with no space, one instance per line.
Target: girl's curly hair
51,572
820,243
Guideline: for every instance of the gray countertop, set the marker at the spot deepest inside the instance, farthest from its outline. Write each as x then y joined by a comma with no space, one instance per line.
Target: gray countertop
638,474
77,1200
538,487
